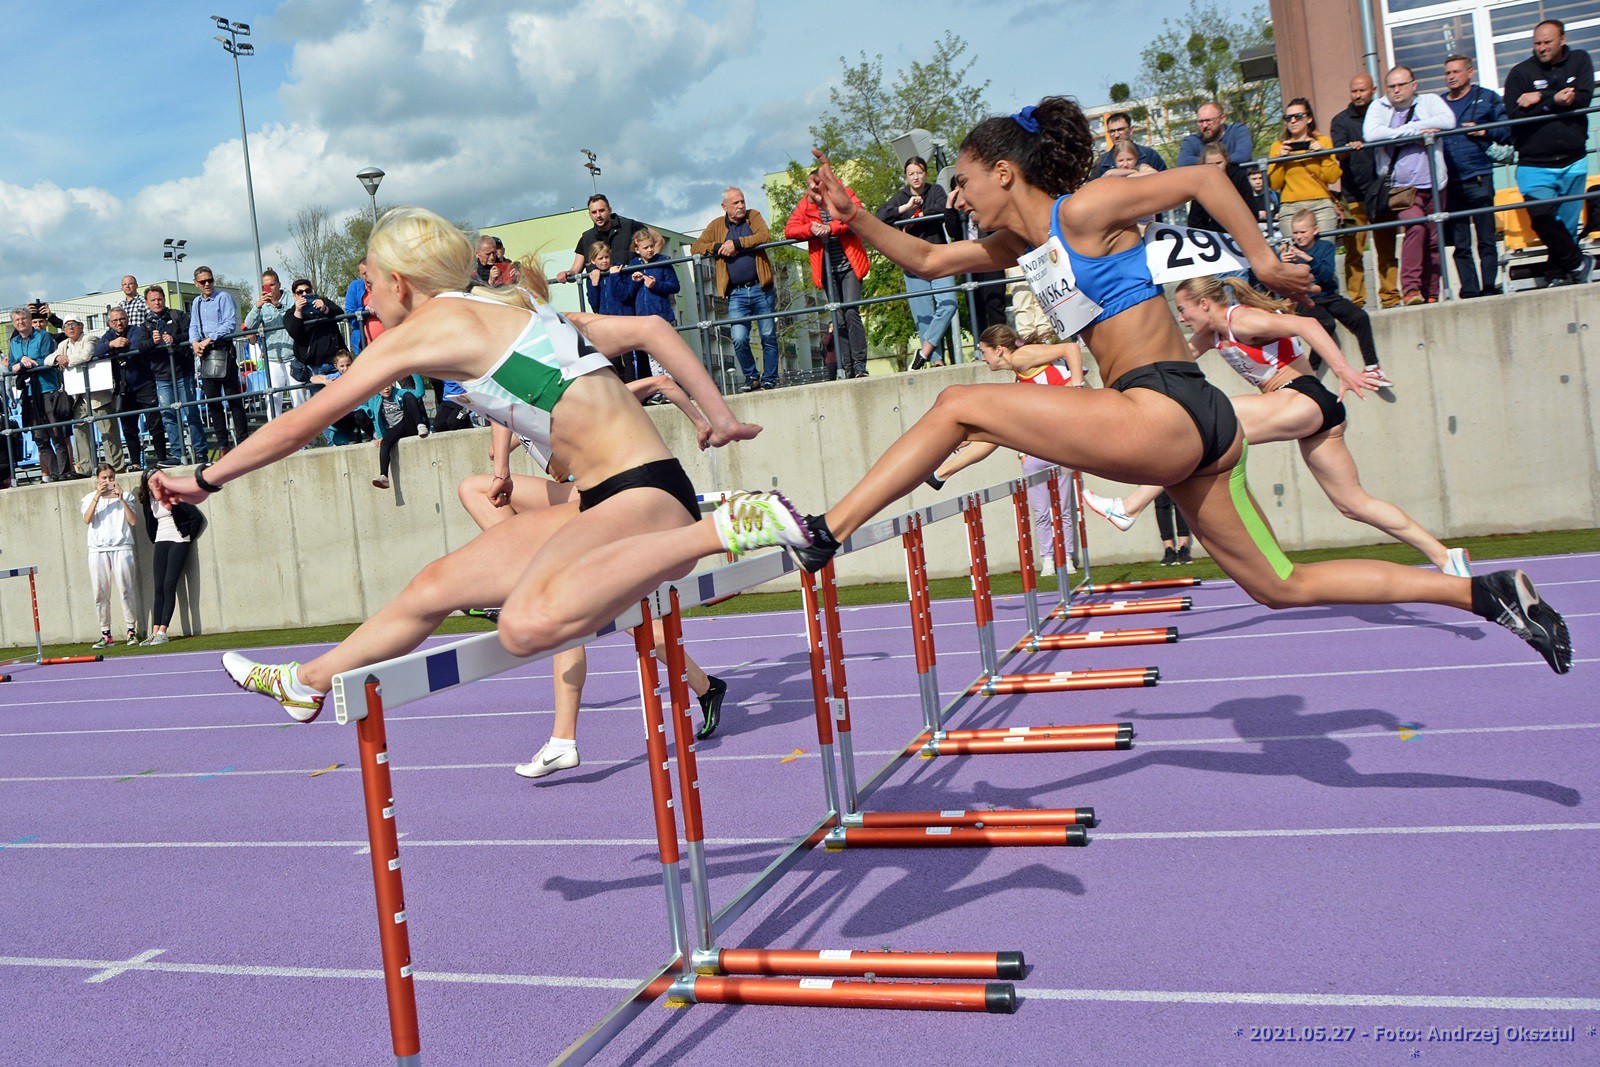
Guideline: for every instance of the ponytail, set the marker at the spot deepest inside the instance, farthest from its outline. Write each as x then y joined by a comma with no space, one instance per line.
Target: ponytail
1050,143
1225,291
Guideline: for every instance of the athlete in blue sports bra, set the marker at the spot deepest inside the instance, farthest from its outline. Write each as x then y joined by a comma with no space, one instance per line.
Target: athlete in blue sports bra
1025,178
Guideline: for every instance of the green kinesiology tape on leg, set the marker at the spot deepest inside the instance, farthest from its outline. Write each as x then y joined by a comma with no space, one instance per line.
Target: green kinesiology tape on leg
1254,524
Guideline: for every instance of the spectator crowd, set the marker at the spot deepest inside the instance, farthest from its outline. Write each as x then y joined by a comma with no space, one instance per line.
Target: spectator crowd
162,385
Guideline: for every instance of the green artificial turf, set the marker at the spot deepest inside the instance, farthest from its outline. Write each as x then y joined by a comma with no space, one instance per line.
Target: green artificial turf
1558,542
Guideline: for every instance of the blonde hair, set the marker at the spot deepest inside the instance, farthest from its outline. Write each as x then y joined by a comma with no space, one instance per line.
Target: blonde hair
1125,148
1003,336
1302,215
433,256
651,234
531,276
1226,291
600,246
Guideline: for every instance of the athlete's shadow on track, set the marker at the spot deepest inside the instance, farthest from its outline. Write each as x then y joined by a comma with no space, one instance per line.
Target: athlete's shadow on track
1375,614
1292,745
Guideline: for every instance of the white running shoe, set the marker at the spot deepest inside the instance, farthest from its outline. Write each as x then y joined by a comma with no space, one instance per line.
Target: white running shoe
546,761
1381,378
748,521
1459,564
275,680
381,482
1110,509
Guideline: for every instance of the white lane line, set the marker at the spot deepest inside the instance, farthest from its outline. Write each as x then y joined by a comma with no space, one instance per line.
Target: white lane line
126,965
1141,996
1343,831
246,971
1364,672
1328,1000
1185,639
650,842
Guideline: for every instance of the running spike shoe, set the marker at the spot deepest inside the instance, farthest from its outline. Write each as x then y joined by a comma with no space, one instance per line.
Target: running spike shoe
824,546
275,680
1522,611
748,521
1110,509
711,707
1459,565
548,761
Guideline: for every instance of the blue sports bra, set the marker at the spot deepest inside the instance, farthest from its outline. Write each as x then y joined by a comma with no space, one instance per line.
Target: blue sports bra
1116,282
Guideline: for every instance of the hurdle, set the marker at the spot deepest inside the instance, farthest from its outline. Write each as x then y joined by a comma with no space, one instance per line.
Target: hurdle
38,658
699,970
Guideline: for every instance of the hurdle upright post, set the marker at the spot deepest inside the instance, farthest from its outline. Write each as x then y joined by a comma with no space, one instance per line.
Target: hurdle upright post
1030,580
815,652
982,599
921,606
644,645
1058,528
694,835
384,843
838,688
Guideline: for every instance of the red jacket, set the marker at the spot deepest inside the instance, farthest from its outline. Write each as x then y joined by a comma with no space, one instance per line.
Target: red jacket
806,213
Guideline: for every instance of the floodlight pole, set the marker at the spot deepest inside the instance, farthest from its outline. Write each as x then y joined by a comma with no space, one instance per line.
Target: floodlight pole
231,45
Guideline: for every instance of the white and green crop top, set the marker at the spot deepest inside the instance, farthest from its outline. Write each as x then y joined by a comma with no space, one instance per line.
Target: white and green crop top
523,387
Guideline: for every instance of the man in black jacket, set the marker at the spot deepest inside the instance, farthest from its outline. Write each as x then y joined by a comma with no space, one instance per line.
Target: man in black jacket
1360,175
1551,156
132,358
173,371
312,326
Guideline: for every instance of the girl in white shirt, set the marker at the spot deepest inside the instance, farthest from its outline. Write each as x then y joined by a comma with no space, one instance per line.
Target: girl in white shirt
109,515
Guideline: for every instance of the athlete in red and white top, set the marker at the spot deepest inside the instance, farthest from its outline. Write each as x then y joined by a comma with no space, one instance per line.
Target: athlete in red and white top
1269,348
1042,364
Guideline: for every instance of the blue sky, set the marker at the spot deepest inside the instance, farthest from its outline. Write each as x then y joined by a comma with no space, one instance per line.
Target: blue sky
476,108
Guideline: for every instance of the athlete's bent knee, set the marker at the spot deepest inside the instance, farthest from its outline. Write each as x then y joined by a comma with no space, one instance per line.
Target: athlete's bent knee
527,631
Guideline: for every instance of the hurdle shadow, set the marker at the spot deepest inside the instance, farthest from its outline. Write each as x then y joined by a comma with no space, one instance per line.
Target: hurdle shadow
1293,745
1376,614
787,679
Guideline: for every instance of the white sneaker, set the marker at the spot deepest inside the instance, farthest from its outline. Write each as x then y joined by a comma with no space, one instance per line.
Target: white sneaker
275,680
1047,567
380,482
1110,509
546,761
1381,378
1459,564
748,521
423,429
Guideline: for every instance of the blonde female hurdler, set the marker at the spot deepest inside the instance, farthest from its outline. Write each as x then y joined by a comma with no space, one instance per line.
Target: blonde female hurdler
527,367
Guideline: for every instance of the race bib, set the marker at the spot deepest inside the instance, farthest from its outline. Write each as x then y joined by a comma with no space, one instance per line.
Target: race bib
1049,275
1177,252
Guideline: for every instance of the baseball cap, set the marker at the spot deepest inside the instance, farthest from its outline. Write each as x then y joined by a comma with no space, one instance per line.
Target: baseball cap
72,316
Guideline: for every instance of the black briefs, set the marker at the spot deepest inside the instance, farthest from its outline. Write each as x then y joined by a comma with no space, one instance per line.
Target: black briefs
1207,405
1331,406
664,474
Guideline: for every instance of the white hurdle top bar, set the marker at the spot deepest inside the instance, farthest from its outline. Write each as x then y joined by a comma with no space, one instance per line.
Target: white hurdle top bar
409,678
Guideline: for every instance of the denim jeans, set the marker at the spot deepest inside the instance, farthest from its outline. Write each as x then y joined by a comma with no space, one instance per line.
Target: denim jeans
170,393
755,300
932,314
1461,194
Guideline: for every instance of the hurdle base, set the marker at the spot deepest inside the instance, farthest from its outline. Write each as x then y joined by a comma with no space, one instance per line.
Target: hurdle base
998,817
1037,835
1124,607
1089,588
56,661
1109,729
1065,681
846,963
998,998
989,746
1164,635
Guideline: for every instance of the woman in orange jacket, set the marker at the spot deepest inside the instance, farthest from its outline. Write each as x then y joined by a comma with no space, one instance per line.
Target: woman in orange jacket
838,265
1308,183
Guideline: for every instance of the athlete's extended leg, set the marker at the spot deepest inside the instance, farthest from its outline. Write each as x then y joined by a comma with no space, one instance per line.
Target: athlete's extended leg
1136,436
1224,515
1330,462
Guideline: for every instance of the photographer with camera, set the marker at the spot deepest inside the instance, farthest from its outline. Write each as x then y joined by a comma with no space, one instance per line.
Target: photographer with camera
1305,185
313,327
109,514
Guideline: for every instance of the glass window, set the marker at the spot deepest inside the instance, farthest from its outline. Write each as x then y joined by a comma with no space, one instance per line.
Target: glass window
1424,46
1513,28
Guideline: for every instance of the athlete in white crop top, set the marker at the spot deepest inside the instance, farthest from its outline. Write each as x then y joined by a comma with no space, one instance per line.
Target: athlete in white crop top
1291,406
558,580
1160,422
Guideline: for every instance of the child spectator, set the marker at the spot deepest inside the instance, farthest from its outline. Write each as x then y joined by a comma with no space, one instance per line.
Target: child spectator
1330,305
611,293
172,530
656,287
109,515
354,427
396,413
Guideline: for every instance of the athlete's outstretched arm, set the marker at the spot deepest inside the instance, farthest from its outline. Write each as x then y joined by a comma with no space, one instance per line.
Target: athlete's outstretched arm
1099,207
1253,322
914,255
1031,357
616,334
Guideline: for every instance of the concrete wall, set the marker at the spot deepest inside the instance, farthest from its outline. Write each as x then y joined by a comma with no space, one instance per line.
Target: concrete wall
1494,427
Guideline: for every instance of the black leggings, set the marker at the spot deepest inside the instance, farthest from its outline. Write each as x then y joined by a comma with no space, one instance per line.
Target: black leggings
169,560
1169,520
414,417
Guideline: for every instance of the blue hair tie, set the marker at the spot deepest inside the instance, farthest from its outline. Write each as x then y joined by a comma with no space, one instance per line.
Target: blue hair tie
1025,119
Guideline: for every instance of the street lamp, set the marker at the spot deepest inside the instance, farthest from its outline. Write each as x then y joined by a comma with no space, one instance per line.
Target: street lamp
594,171
230,44
173,250
370,177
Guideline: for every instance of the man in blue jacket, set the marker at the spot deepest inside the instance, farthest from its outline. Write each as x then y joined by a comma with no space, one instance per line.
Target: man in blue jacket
1214,126
1471,182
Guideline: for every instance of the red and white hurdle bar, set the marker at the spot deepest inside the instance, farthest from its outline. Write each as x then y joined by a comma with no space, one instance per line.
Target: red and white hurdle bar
1087,586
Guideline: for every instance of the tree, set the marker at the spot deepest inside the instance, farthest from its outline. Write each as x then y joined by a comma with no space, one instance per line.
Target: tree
865,112
315,240
1194,60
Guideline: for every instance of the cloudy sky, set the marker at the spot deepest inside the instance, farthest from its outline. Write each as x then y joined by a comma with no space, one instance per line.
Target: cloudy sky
125,126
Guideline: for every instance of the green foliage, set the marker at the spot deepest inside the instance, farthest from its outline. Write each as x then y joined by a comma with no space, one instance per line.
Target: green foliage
865,111
1197,59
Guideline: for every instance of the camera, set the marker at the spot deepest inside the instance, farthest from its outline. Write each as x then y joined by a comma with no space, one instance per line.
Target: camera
311,310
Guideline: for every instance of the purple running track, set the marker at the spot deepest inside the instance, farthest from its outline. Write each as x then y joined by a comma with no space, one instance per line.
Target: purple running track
1378,820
